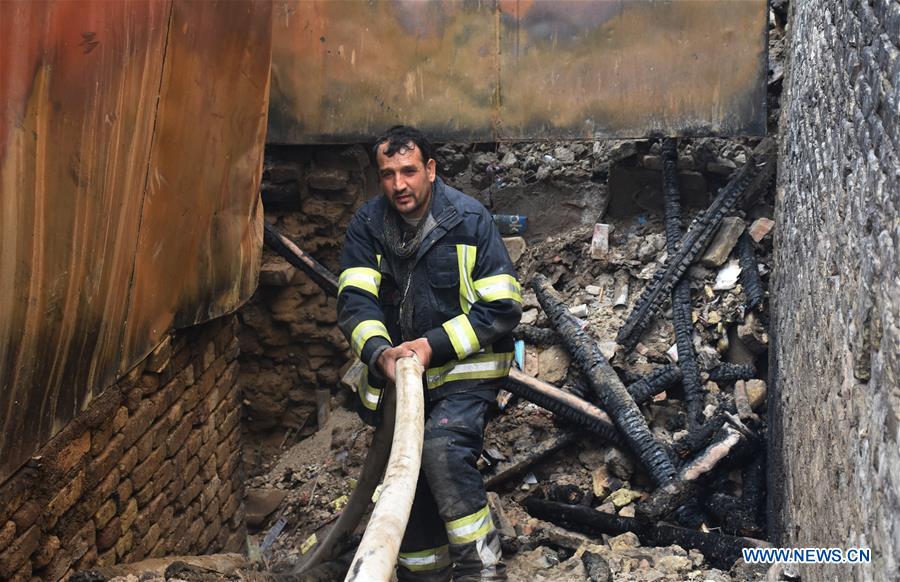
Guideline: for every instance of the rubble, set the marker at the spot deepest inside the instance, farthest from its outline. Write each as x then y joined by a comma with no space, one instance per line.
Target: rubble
515,246
600,241
761,227
746,184
553,364
552,439
723,243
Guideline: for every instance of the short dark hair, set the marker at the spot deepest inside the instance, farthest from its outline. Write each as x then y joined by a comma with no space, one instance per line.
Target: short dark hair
401,136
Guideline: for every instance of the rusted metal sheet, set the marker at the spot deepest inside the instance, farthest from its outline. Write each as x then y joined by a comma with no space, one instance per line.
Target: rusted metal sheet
74,140
342,71
517,69
79,82
201,229
580,69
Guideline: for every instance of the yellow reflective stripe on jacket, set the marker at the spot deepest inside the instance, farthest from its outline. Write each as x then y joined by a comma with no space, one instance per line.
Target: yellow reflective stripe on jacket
465,258
462,336
361,277
368,394
470,528
481,366
365,331
498,287
424,560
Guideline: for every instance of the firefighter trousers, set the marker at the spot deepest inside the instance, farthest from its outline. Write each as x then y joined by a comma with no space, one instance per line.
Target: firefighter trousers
450,529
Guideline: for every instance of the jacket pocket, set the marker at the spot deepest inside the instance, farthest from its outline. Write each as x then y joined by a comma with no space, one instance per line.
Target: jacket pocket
443,271
443,283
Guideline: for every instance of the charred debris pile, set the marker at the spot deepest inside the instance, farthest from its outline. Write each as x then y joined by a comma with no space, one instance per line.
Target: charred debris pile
648,350
636,415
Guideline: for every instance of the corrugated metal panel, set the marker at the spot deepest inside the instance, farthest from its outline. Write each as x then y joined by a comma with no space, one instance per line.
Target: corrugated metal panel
80,81
517,69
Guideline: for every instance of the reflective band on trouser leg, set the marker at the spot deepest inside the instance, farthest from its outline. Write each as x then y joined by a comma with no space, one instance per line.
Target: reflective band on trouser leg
430,559
470,528
365,331
479,366
465,258
462,336
368,394
361,278
498,287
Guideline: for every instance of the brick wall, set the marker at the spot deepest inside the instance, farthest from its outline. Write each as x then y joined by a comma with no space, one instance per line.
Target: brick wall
151,468
290,343
835,447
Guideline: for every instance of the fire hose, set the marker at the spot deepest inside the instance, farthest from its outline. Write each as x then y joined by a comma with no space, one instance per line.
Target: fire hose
377,553
397,442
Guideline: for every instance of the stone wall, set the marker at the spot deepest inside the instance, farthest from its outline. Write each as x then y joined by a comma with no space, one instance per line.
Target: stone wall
835,451
290,344
151,468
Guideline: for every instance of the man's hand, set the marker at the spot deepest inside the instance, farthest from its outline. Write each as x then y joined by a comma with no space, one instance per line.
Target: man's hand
387,361
422,349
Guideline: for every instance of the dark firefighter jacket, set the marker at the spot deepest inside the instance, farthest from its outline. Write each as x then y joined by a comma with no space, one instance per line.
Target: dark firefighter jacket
463,288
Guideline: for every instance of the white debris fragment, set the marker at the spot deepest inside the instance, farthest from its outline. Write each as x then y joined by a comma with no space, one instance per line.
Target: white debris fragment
579,310
609,349
529,316
620,291
728,276
672,352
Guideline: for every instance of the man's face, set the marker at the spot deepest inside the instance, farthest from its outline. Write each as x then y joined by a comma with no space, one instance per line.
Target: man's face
406,180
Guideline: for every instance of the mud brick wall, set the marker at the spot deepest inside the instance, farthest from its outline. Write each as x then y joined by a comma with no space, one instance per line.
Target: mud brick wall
835,449
151,468
290,343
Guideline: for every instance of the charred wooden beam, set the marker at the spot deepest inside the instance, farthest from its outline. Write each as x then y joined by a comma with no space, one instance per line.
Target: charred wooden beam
298,258
660,379
537,336
567,406
641,390
728,372
741,516
509,469
681,294
750,281
745,183
604,381
719,549
697,440
729,442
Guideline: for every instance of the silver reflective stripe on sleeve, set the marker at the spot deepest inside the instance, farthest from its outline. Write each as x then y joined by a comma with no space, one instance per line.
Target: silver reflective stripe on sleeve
361,278
365,331
462,336
498,287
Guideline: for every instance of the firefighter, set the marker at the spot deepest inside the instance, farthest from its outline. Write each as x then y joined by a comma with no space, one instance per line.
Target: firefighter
424,271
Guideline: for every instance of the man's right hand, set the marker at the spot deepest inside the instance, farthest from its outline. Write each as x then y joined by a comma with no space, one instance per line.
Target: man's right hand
387,361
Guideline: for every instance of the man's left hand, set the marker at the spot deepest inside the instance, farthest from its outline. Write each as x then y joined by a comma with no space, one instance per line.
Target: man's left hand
421,348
